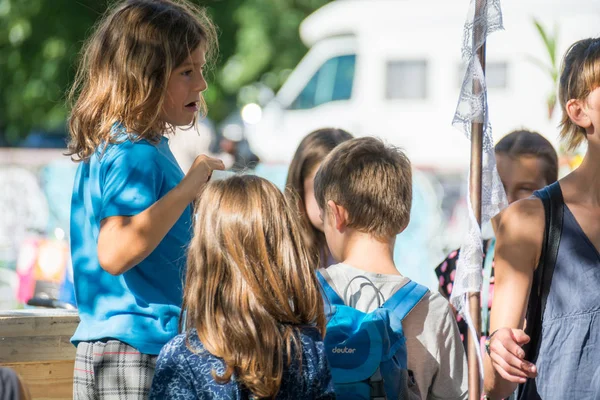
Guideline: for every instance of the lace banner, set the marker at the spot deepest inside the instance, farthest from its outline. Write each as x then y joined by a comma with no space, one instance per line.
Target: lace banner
485,17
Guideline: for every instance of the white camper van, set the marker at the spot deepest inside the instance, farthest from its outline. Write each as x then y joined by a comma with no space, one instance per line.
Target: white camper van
393,69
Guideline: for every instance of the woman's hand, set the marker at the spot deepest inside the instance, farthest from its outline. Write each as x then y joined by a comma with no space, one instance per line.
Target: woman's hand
507,356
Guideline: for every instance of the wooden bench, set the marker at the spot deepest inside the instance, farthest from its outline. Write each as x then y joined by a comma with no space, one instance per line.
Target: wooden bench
35,343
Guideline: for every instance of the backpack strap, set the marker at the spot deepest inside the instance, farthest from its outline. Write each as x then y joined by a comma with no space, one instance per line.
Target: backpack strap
553,202
380,297
330,294
405,299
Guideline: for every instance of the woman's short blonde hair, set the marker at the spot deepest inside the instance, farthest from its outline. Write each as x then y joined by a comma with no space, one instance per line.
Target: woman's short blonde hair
580,75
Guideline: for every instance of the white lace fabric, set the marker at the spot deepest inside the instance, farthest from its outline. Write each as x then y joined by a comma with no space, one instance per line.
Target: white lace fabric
472,107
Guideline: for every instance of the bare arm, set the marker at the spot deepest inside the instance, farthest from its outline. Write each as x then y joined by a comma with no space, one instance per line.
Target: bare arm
519,235
124,242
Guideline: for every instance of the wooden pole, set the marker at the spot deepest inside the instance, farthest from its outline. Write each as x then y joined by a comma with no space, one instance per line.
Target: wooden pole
475,196
474,297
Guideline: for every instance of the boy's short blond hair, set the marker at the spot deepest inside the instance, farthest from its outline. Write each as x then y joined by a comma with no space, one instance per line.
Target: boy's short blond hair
372,181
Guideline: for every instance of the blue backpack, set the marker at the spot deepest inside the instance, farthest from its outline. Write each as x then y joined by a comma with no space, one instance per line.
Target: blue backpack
367,351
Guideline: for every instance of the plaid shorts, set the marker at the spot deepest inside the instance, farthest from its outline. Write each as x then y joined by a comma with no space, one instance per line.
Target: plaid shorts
111,370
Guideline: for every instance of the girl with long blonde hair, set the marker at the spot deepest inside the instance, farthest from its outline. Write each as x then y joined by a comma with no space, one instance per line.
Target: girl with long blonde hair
254,313
140,76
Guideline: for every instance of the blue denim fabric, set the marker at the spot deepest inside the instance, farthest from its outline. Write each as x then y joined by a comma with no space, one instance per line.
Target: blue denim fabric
569,358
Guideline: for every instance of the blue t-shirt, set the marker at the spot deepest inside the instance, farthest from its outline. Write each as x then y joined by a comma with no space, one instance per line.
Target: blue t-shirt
140,307
182,374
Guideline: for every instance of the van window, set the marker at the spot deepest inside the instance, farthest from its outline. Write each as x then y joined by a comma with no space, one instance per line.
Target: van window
406,79
332,82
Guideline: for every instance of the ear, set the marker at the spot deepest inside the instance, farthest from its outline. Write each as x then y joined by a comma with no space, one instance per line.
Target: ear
577,112
339,214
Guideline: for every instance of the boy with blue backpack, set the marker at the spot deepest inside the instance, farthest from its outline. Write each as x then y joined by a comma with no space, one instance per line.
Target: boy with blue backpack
387,337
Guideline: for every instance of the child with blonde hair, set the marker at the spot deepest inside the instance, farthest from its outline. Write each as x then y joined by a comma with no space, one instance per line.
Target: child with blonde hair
254,313
131,217
364,191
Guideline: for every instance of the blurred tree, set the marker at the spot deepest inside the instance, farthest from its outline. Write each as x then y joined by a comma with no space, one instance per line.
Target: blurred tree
40,41
551,65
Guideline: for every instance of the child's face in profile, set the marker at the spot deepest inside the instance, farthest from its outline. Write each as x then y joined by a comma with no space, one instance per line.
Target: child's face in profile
310,202
520,176
186,82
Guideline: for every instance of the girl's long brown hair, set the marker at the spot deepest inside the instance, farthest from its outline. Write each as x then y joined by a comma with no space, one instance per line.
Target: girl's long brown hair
311,151
125,67
250,284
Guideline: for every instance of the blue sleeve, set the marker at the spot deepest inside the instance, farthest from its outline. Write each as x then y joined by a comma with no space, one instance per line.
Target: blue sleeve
316,367
327,390
130,181
172,377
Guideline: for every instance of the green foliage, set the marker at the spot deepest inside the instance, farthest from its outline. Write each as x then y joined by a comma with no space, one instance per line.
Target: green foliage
40,41
258,41
550,66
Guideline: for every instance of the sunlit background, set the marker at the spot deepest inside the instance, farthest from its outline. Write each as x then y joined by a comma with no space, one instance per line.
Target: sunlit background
390,68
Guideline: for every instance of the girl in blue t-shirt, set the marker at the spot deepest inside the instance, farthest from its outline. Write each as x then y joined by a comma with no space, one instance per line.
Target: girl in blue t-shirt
254,313
140,77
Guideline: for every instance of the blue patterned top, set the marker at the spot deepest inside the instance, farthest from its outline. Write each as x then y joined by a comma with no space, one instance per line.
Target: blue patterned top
182,374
